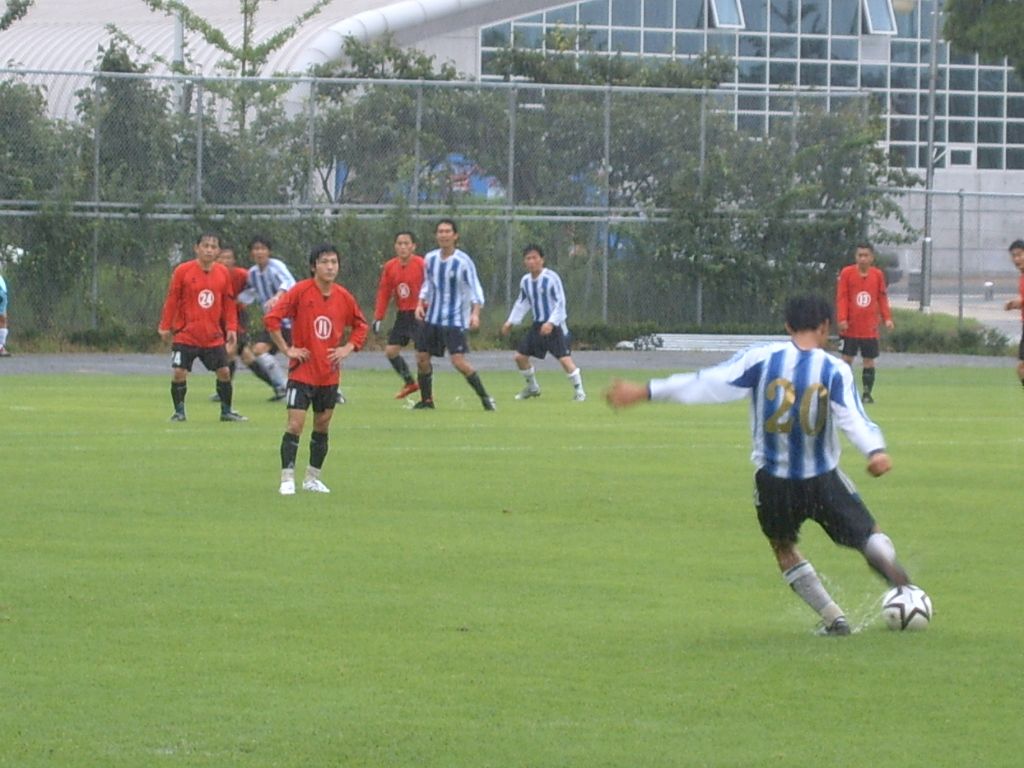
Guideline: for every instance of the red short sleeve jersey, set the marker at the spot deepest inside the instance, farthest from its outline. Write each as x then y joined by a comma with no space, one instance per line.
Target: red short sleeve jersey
403,281
319,323
1020,289
861,300
200,305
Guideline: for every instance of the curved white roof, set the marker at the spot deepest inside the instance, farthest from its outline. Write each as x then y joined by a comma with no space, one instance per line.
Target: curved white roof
68,34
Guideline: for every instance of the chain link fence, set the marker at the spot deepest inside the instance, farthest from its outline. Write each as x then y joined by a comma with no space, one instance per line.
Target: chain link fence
677,208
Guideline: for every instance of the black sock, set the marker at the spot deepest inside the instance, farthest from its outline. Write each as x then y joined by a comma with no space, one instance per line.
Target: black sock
261,374
398,363
225,390
317,449
178,390
289,450
231,368
426,382
868,377
476,384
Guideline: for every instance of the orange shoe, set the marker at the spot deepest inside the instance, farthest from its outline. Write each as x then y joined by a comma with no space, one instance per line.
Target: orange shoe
407,390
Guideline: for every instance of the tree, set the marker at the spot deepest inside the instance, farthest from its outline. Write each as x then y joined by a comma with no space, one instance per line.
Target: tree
992,28
15,10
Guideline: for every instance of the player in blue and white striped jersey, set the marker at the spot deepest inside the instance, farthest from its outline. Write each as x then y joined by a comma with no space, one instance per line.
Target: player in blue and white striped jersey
541,294
450,303
269,280
800,398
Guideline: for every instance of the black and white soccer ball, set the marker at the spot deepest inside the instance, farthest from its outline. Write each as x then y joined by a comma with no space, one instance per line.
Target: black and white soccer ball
907,608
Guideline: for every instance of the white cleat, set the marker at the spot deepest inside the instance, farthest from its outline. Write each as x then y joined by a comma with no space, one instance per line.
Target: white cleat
314,485
580,396
527,393
287,488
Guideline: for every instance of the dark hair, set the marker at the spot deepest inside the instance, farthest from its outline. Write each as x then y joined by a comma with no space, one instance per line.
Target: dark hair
205,235
864,244
807,311
1018,243
455,227
405,232
317,252
261,240
533,247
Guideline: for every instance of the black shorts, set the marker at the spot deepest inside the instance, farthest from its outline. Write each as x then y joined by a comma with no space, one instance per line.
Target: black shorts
405,329
533,344
263,337
849,347
301,396
1020,347
830,500
436,338
213,358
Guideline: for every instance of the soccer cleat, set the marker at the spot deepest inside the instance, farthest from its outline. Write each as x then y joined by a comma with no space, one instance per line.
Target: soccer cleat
527,393
214,398
838,628
407,390
280,393
580,396
867,398
4,352
340,399
232,416
424,405
314,485
178,416
489,404
287,488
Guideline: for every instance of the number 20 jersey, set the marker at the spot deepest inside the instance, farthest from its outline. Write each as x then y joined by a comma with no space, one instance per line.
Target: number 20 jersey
799,401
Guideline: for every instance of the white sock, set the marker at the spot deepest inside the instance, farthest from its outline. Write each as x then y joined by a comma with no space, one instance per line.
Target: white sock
3,337
805,582
530,374
287,474
312,473
272,369
576,377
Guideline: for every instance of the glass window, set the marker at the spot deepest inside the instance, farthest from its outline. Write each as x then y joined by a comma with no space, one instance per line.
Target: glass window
779,102
727,14
658,14
752,71
723,42
940,104
625,40
1014,106
1015,133
689,14
904,77
903,53
990,133
537,18
755,14
689,43
844,50
814,19
961,79
844,76
845,19
597,40
813,74
990,158
906,19
879,18
783,47
961,131
785,15
594,12
751,102
625,13
658,42
782,73
961,57
990,106
813,48
903,130
990,80
902,104
962,106
566,15
1014,159
528,37
873,76
902,156
488,65
940,157
753,45
780,125
961,157
496,36
751,124
1013,83
940,130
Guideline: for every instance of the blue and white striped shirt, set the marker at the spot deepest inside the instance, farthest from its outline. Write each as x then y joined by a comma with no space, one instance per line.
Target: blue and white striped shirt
450,288
799,400
266,282
544,297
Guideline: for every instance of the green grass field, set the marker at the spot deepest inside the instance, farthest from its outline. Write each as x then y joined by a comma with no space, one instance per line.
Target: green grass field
553,584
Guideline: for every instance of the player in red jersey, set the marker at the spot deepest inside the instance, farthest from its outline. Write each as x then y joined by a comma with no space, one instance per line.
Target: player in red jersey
401,278
861,299
1017,255
320,311
199,318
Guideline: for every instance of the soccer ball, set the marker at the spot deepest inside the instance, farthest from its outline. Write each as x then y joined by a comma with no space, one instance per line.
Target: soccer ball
907,608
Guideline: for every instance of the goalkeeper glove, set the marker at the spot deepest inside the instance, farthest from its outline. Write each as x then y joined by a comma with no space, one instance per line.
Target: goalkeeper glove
376,326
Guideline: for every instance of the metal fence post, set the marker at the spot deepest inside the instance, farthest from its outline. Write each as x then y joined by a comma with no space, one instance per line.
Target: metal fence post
94,288
510,192
197,194
960,260
307,191
605,201
414,189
